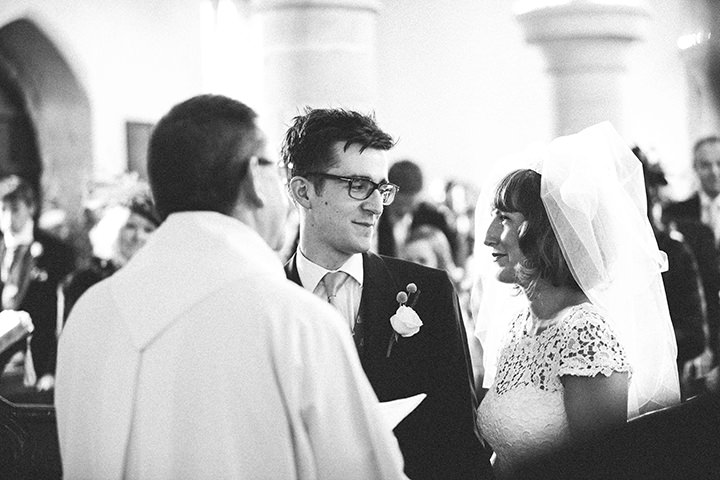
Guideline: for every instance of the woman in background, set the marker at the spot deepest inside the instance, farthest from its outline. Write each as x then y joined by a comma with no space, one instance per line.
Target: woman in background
428,245
122,230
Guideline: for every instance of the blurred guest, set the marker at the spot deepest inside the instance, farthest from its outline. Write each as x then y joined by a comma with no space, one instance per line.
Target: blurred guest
395,223
681,280
409,210
460,200
704,205
428,245
117,236
698,219
32,263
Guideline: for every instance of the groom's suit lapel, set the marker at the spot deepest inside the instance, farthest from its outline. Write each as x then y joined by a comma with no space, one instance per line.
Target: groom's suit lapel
377,305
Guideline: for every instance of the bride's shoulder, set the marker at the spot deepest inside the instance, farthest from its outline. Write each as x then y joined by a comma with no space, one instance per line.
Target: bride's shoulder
587,320
583,314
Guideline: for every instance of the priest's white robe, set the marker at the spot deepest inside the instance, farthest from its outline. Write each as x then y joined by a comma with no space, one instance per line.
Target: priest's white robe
198,359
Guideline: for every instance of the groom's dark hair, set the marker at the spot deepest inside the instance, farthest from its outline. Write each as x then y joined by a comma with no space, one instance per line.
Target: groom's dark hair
194,160
310,141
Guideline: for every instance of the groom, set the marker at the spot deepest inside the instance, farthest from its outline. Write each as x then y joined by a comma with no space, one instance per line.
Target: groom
337,167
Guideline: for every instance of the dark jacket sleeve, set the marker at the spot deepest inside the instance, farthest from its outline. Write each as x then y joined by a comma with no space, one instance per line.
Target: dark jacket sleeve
684,294
55,262
702,243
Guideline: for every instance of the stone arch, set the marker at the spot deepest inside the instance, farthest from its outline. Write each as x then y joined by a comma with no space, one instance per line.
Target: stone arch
52,107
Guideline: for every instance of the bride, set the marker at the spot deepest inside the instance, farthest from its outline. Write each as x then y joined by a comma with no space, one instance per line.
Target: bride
592,344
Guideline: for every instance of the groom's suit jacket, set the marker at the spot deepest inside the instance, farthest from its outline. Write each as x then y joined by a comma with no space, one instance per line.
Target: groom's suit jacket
438,439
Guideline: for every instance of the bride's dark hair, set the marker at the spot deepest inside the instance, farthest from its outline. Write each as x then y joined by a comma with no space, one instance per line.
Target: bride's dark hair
519,192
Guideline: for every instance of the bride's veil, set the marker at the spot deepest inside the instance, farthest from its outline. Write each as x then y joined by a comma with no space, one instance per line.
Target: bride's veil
593,190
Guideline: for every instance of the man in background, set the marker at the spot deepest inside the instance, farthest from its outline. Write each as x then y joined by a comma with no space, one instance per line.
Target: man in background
409,211
698,220
404,317
32,264
704,205
198,359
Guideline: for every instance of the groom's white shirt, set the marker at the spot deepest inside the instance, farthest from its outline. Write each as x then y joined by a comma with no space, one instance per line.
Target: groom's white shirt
198,359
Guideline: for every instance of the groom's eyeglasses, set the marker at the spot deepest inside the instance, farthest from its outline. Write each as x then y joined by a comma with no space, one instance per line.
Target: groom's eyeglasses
360,188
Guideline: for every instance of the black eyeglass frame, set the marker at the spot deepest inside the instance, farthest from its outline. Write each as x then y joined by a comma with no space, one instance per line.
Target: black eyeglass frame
380,187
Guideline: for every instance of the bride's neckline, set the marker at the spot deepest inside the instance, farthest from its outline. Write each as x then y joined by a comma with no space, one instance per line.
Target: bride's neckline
535,326
549,303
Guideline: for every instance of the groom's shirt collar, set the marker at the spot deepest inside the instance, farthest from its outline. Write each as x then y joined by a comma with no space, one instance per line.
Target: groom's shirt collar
311,273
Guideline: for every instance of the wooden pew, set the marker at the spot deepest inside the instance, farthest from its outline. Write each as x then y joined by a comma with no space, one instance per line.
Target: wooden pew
28,442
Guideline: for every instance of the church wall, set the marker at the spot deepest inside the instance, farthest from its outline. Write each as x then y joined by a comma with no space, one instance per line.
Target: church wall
134,59
457,83
462,88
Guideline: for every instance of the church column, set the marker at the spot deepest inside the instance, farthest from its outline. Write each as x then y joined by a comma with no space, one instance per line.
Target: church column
585,43
700,52
703,115
319,53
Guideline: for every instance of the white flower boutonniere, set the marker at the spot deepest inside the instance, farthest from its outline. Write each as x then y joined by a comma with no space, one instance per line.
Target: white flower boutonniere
36,273
405,321
36,249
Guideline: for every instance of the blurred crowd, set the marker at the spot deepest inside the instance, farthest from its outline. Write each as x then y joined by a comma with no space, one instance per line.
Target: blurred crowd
430,226
45,270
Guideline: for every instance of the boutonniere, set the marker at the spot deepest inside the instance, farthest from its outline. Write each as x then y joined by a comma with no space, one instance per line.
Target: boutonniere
406,321
36,273
36,249
39,274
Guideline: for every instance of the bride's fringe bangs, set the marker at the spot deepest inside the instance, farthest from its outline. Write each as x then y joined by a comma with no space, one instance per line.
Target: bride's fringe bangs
519,192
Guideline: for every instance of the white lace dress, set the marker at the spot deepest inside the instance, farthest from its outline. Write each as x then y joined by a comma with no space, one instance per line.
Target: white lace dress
523,414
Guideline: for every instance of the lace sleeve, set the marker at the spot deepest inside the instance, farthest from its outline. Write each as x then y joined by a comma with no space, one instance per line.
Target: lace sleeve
589,346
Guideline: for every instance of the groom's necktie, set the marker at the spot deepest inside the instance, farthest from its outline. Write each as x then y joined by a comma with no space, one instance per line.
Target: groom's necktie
333,281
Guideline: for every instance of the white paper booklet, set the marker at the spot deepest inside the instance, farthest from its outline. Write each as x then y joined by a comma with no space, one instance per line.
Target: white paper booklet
395,411
14,325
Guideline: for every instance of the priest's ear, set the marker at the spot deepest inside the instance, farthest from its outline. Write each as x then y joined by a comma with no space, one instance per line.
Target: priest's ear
300,191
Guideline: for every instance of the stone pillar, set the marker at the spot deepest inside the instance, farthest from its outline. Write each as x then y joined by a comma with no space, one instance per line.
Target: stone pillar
585,44
319,53
703,115
700,52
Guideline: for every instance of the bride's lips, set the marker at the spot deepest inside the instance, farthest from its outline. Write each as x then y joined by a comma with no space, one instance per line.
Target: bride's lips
365,224
498,256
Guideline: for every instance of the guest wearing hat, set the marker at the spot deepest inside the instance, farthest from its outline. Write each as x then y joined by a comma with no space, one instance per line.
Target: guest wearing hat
122,230
32,264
